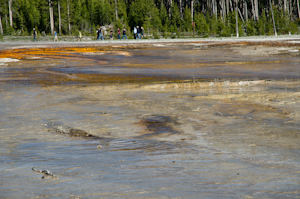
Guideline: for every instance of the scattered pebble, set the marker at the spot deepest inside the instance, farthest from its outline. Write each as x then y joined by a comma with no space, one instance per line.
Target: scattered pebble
99,146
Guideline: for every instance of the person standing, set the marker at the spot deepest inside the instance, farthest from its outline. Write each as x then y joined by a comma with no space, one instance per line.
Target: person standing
55,36
119,34
124,34
111,34
34,35
101,33
98,34
80,36
138,32
142,31
134,32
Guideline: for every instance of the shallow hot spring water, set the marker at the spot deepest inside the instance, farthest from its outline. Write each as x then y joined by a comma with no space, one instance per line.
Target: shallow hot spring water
151,121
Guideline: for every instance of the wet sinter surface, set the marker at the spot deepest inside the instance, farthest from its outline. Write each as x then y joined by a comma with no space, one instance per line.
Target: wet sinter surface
147,122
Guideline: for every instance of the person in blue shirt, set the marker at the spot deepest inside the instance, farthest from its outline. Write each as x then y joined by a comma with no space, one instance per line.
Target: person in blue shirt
124,34
55,36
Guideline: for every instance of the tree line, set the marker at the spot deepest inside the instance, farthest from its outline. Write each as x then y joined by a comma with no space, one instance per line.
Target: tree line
205,17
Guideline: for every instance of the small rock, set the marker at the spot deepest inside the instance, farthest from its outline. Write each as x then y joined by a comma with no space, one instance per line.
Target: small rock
99,146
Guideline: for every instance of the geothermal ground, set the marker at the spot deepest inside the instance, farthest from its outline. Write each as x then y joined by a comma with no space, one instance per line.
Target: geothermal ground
150,119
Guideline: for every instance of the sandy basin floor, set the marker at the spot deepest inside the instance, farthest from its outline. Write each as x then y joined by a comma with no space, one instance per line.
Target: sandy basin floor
195,120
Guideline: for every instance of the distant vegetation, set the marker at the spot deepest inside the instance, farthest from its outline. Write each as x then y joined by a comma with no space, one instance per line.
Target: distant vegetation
164,17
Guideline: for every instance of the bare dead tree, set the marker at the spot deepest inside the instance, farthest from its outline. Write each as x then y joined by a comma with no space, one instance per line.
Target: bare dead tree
227,6
256,10
68,11
236,19
116,9
274,26
180,8
59,18
10,13
51,16
192,10
284,5
1,29
246,11
298,9
291,9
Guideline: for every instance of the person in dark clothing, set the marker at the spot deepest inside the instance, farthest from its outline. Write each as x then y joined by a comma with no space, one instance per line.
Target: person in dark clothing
124,34
111,35
138,32
142,31
34,35
98,34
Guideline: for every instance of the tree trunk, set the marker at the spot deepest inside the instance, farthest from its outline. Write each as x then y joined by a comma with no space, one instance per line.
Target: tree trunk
241,15
59,18
291,9
170,8
68,10
214,8
1,29
274,26
51,17
284,5
180,8
10,13
227,6
116,8
256,10
231,6
298,9
253,11
192,10
236,19
246,10
222,10
6,21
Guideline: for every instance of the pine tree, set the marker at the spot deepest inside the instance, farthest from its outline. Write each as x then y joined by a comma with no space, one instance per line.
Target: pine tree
200,24
187,19
175,18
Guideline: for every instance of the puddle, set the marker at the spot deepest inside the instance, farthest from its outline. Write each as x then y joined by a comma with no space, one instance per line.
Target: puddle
150,121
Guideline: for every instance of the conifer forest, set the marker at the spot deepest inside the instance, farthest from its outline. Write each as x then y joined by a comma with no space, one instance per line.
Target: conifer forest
203,17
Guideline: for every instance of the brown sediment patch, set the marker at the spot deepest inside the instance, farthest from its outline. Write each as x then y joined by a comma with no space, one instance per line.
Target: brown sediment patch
158,125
